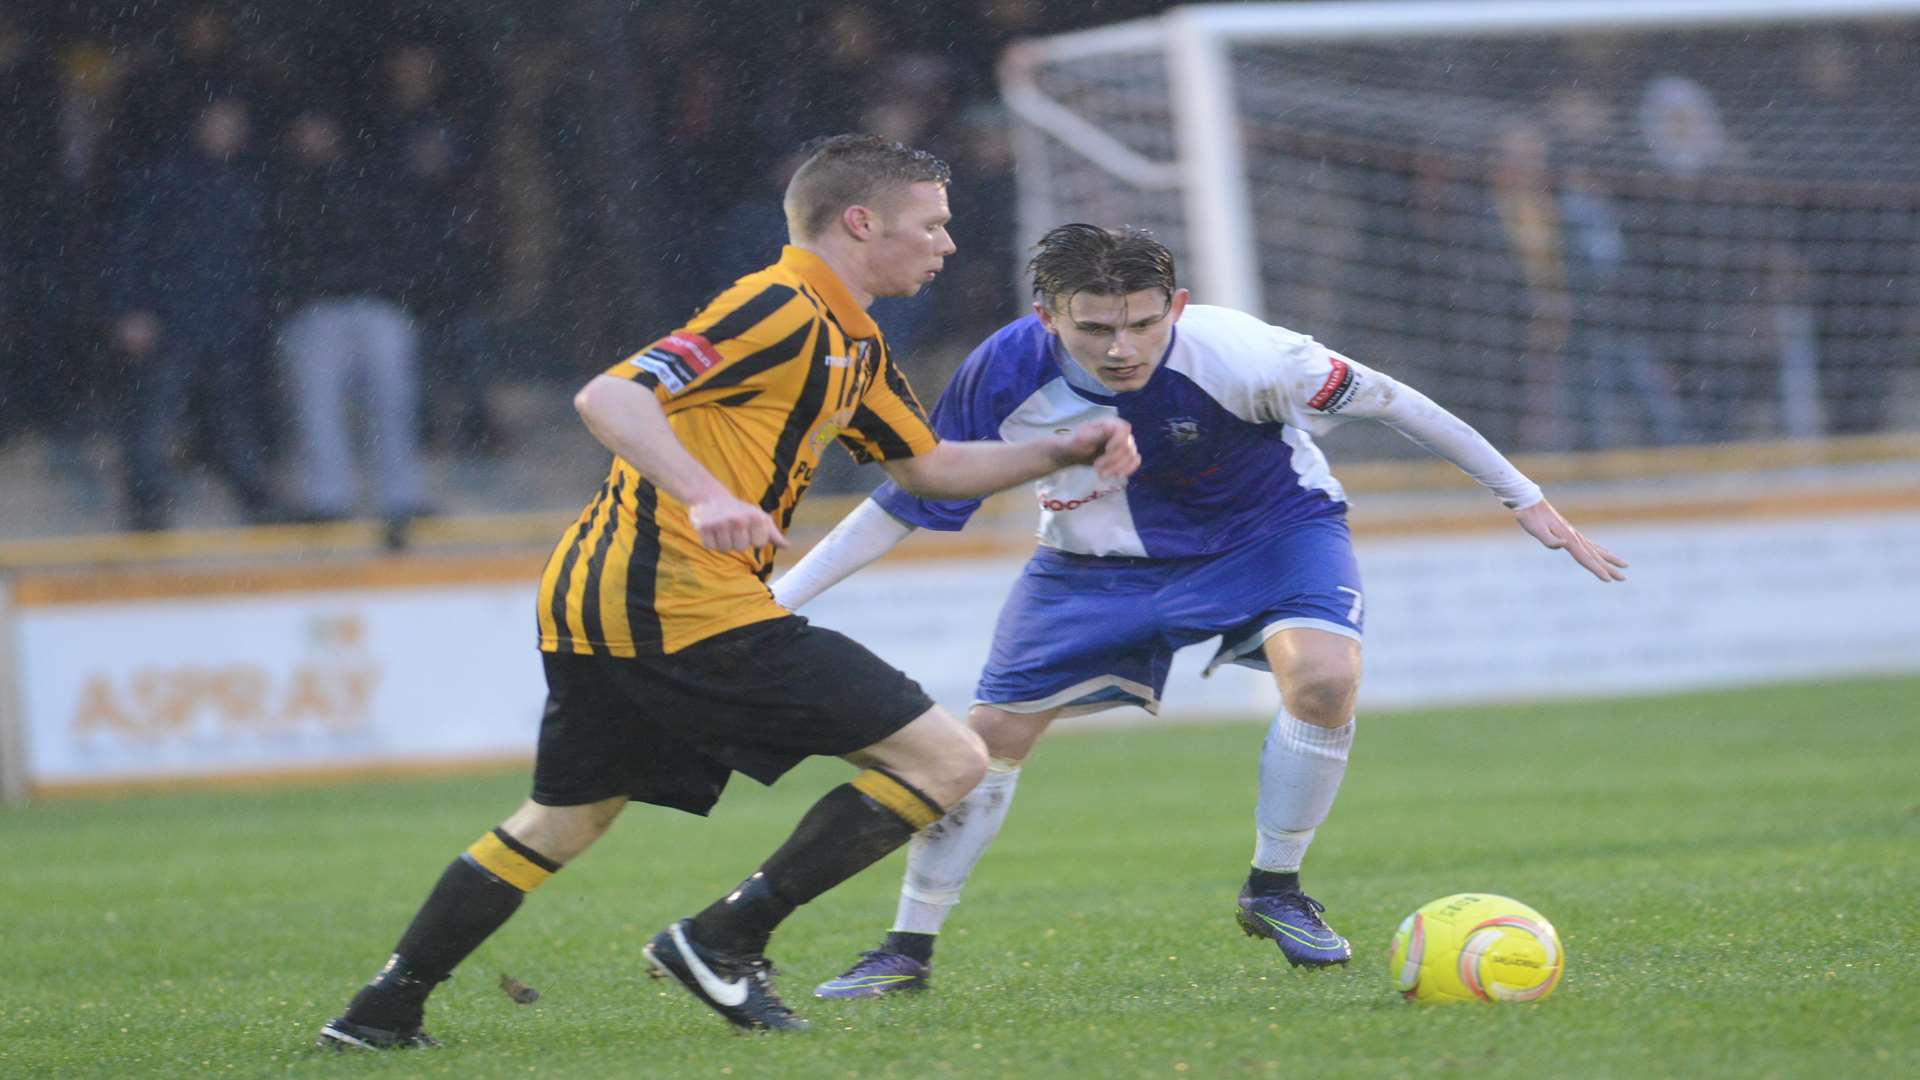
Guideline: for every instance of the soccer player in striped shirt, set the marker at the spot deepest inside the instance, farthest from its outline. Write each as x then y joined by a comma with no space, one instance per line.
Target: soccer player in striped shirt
1233,527
669,666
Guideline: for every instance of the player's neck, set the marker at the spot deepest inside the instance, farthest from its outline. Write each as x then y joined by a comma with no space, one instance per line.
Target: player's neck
846,265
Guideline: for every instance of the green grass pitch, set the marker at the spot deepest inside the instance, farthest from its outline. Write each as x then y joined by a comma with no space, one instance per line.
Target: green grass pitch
1735,875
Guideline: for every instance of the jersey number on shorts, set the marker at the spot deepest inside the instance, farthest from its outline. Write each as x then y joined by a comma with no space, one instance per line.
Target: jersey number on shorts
1359,602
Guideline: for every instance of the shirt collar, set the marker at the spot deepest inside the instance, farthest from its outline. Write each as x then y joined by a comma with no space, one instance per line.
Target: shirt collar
814,271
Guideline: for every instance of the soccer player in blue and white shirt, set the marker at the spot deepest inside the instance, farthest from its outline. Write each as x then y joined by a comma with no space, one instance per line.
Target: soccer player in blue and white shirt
1233,527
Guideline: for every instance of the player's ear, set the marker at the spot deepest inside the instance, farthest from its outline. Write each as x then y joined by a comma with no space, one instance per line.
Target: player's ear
1178,304
1046,317
859,221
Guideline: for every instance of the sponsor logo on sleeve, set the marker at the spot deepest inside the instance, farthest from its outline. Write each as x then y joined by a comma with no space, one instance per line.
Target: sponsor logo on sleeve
1337,392
678,359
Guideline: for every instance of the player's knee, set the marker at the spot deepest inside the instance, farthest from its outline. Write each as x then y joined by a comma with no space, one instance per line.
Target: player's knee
1322,696
562,832
970,758
1008,735
956,766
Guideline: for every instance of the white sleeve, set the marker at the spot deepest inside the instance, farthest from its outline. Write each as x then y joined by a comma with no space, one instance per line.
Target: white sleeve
1318,389
861,537
1370,395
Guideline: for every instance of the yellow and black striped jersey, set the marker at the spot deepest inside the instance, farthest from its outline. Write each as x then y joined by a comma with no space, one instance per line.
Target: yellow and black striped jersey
756,386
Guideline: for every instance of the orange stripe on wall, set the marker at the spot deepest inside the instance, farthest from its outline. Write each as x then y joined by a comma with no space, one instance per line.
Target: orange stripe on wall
116,586
261,779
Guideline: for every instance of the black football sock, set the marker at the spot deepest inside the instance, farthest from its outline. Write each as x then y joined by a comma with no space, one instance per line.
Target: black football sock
908,943
1267,882
475,895
849,829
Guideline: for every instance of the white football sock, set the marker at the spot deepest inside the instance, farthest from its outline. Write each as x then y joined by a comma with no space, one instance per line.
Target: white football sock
942,855
1301,766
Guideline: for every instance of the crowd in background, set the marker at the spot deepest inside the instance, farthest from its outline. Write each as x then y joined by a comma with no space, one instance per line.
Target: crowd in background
318,234
303,244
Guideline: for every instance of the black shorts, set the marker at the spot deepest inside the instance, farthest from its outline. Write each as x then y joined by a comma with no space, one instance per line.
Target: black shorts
671,729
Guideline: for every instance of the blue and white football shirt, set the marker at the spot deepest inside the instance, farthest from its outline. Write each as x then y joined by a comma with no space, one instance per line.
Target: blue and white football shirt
1222,426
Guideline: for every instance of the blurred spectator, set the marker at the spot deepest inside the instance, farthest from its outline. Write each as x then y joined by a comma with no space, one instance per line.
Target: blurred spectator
980,290
714,129
1846,316
345,337
1529,220
751,232
1682,126
172,80
185,288
1622,393
426,128
853,45
31,219
910,102
1710,304
87,89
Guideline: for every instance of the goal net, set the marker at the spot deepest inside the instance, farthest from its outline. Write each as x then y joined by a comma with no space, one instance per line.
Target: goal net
1581,224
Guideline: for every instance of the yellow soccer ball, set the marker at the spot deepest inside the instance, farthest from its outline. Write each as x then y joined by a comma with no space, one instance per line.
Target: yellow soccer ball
1476,947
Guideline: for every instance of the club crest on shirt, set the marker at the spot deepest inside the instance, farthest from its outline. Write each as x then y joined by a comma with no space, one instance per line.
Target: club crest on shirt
1182,430
830,429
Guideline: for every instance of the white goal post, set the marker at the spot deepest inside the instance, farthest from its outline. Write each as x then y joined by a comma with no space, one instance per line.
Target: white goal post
1261,138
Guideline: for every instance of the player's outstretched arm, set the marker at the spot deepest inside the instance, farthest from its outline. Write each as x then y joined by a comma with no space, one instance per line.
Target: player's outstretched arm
628,420
972,470
861,537
1545,524
1373,395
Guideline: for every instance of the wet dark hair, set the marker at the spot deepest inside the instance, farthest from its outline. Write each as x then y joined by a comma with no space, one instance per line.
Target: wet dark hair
1079,258
848,170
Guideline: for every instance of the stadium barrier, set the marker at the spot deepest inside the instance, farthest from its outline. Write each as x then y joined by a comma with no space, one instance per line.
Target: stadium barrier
228,669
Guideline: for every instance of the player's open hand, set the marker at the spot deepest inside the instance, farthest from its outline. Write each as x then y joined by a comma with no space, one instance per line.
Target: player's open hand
728,524
1107,445
1545,524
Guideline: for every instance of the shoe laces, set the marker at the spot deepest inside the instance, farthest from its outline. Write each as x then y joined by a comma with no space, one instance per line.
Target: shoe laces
1296,898
763,972
753,965
757,967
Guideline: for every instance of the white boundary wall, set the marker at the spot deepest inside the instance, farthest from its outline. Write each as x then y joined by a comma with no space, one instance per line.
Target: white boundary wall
1494,617
222,685
197,687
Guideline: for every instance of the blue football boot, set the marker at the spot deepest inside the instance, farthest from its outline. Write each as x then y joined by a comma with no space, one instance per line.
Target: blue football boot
878,972
1292,920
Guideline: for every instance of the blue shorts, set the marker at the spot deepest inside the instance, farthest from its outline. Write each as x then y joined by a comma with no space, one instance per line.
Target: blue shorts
1080,633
